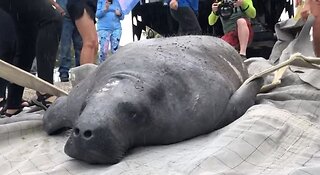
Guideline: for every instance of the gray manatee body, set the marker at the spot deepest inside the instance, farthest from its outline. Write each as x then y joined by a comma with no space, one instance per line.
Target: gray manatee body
156,91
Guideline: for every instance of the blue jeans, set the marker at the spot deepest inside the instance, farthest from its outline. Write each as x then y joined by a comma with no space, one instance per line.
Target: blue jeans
69,33
106,37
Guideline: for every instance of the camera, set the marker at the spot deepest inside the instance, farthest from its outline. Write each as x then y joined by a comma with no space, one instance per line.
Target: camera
225,8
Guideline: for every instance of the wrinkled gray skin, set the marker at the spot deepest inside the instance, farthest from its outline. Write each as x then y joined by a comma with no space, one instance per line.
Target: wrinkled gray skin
156,91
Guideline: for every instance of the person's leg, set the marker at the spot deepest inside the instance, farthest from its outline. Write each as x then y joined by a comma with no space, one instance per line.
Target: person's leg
46,52
83,14
115,40
316,36
7,48
104,39
77,45
188,21
23,59
87,30
46,56
243,35
315,11
65,49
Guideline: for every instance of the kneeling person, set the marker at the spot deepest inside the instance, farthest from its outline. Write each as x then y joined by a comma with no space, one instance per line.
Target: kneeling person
235,18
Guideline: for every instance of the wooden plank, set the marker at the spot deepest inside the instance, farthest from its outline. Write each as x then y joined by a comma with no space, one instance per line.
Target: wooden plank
26,79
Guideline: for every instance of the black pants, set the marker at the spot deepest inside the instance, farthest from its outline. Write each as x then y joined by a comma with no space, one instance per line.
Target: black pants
8,41
187,20
38,29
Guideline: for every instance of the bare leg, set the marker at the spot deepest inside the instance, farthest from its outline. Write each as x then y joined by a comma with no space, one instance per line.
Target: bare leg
315,11
316,36
243,34
87,30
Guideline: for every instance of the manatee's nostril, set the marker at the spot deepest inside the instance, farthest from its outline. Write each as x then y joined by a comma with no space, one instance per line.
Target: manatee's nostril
87,134
76,131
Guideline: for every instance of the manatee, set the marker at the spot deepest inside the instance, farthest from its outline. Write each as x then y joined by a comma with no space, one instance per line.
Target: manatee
153,92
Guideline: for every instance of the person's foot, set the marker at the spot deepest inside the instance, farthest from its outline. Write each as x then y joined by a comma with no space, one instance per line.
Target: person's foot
43,100
10,112
2,106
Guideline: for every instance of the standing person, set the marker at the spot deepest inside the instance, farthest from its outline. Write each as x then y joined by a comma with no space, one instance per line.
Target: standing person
313,7
185,12
82,12
109,28
236,25
69,33
38,28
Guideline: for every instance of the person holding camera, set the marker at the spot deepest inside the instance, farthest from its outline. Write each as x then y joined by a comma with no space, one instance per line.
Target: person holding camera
185,13
235,17
109,14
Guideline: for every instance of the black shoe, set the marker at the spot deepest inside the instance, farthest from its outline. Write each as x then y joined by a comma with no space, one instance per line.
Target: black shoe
64,77
244,57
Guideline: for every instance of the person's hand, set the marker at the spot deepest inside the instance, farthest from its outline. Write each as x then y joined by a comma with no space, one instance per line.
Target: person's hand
107,5
215,7
117,12
174,4
298,2
61,11
305,11
238,3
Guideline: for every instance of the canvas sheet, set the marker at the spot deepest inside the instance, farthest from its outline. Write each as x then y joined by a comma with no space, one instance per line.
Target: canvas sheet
278,135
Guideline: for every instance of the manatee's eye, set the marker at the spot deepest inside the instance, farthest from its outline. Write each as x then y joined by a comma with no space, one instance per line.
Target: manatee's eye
132,112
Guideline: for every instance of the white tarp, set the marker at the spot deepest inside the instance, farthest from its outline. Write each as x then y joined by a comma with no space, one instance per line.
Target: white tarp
279,135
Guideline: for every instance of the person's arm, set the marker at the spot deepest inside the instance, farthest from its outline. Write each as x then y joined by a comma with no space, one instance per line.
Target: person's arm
213,17
305,9
248,8
121,16
102,8
118,10
174,4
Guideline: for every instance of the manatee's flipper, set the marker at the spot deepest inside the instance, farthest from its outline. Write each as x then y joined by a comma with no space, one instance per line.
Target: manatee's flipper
241,100
81,72
55,118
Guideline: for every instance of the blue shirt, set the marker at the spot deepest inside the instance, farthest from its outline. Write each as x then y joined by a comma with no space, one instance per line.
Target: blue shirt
108,20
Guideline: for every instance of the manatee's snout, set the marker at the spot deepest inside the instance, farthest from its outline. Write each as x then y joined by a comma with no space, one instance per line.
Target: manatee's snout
94,144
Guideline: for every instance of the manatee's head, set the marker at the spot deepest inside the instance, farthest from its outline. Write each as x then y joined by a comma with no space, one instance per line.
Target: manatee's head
109,123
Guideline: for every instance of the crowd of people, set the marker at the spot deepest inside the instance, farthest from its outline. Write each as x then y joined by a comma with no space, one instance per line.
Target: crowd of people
37,27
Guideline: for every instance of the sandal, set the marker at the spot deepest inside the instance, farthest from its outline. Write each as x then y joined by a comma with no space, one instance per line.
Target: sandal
42,100
10,115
